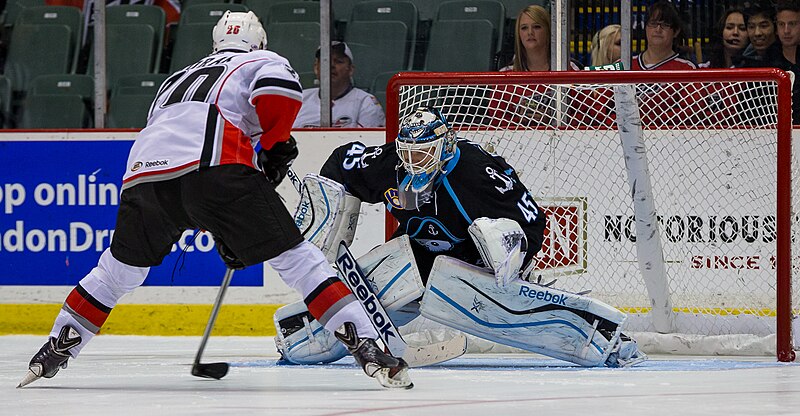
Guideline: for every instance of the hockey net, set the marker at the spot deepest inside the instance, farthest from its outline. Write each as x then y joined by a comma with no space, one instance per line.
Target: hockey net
668,194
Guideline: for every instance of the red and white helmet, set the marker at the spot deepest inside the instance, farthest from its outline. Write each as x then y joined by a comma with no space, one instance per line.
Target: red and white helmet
239,31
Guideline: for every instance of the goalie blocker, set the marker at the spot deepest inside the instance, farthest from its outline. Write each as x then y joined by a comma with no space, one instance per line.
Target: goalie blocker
535,318
326,214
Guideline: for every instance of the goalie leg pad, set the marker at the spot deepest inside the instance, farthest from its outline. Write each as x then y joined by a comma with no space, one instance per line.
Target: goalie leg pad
302,340
392,273
540,319
326,214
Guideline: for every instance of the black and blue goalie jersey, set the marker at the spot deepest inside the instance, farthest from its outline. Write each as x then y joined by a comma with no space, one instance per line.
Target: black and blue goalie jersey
473,184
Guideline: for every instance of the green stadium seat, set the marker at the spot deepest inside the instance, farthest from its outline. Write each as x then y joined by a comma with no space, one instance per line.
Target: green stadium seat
153,16
207,13
15,7
291,11
343,9
295,41
460,45
60,84
187,3
131,99
139,84
192,43
491,10
379,84
427,8
377,47
128,111
38,50
391,10
121,58
65,111
56,15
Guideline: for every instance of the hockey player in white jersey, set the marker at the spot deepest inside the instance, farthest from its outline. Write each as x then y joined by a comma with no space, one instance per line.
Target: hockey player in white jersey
194,166
467,229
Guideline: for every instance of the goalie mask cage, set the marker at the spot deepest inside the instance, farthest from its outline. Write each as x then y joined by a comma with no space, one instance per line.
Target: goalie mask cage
668,193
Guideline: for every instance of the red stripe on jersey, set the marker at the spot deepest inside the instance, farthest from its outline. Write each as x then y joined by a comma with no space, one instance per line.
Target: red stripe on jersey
276,114
86,309
236,147
327,298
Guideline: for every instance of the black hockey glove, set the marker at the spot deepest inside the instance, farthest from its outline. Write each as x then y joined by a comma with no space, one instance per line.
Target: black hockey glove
227,255
275,162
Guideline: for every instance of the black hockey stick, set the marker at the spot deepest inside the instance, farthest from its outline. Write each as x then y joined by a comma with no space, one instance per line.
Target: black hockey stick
212,370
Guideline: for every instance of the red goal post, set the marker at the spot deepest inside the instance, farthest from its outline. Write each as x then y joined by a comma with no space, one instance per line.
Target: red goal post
704,157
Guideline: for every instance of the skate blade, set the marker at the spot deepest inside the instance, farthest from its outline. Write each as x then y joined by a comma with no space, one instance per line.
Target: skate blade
401,380
29,378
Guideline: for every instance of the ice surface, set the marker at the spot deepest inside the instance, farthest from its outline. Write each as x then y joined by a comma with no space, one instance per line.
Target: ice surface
126,375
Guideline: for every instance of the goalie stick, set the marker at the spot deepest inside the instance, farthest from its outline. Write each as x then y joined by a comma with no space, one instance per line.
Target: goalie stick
212,370
352,275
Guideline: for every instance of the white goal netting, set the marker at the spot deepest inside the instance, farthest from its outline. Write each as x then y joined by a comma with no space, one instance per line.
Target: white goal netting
661,192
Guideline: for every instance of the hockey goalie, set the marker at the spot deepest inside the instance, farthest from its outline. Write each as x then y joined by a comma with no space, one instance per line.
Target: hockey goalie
468,227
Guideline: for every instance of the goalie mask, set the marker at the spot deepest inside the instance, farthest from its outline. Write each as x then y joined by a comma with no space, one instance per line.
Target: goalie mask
425,143
239,31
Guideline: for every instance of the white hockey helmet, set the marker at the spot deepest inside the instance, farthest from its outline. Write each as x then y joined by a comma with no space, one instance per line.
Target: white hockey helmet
239,31
425,143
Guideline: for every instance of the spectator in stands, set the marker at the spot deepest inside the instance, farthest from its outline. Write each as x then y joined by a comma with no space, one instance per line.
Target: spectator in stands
729,41
532,39
787,18
606,45
666,35
764,50
351,106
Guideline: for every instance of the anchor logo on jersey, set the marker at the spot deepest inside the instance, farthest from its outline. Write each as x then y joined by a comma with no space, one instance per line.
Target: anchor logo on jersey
508,183
431,234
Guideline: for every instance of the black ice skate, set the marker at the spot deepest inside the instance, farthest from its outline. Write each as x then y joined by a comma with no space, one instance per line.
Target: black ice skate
52,356
389,371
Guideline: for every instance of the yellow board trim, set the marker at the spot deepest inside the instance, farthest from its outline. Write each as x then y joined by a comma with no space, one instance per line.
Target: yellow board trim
711,311
145,319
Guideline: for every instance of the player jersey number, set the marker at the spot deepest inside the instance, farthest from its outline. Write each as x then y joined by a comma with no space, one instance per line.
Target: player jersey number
353,156
201,80
528,207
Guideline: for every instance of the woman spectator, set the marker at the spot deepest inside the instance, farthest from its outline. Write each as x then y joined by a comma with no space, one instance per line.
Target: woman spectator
606,45
527,106
729,41
665,36
532,39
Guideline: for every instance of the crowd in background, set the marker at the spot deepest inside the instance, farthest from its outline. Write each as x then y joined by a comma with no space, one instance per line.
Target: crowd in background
748,34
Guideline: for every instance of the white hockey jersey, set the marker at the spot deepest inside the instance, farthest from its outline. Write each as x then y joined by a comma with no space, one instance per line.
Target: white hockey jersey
356,108
205,115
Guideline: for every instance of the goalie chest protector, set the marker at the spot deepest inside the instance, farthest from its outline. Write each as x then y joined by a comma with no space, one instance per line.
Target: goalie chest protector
475,184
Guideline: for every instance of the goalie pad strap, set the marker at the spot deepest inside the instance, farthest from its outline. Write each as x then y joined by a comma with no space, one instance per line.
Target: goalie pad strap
541,319
301,339
326,214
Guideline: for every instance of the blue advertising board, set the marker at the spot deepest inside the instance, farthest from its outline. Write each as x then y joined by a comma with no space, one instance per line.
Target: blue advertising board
59,203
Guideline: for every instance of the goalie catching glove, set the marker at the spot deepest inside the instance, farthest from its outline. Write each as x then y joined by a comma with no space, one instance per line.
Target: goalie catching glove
276,161
502,246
